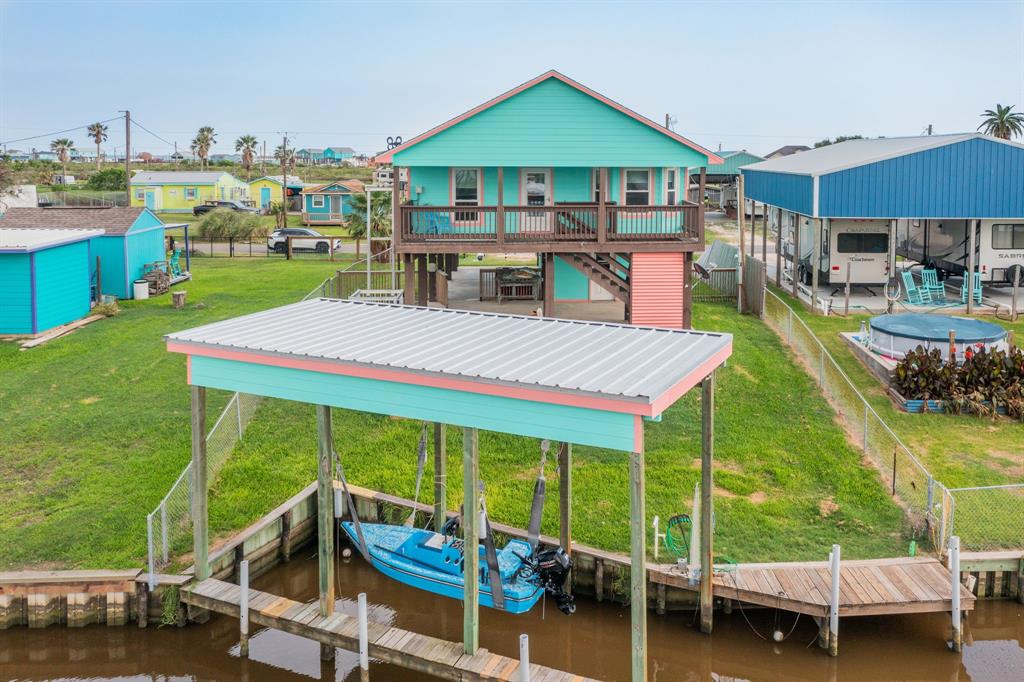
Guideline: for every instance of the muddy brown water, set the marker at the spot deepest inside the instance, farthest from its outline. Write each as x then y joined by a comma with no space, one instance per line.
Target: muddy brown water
594,642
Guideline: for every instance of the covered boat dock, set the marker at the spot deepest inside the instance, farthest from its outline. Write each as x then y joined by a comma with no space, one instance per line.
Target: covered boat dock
588,383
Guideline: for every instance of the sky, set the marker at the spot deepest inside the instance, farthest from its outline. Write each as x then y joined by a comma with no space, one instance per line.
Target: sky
733,75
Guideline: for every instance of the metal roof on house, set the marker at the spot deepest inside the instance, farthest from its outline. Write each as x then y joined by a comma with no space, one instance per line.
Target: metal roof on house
638,364
344,150
731,163
110,219
177,177
852,153
293,180
25,240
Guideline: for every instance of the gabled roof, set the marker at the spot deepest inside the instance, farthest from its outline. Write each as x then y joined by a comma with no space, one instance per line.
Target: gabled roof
386,157
348,185
343,150
112,219
293,180
15,240
177,177
853,153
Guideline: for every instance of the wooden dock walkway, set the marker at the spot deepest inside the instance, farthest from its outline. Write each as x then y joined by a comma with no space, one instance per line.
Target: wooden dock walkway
403,648
867,587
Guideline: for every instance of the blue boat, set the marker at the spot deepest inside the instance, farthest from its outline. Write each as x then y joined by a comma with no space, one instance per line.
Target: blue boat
434,562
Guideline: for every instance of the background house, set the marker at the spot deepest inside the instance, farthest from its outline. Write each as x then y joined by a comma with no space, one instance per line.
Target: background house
267,189
788,150
330,203
181,191
724,178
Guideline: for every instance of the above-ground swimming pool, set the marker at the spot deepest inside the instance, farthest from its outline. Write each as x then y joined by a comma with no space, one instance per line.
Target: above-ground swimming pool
894,335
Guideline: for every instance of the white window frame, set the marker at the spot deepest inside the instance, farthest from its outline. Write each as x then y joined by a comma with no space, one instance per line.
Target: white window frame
140,194
625,182
318,201
595,185
665,173
1014,228
191,193
467,217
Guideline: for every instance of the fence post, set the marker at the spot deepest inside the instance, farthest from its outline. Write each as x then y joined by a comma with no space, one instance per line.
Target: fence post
243,608
931,493
833,607
895,449
151,560
238,414
524,658
865,428
163,531
364,640
954,569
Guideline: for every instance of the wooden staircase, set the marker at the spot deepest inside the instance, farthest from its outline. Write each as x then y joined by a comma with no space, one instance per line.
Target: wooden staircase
610,271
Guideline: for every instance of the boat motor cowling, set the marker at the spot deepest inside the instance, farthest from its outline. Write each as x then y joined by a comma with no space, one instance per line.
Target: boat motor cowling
552,569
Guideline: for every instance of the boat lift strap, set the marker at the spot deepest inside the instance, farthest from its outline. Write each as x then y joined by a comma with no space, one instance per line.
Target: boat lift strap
491,554
352,509
421,463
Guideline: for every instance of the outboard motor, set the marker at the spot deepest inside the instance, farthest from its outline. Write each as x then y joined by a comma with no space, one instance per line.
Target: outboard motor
552,568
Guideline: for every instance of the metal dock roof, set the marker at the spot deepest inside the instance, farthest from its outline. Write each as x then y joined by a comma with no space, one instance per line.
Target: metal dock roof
20,240
608,360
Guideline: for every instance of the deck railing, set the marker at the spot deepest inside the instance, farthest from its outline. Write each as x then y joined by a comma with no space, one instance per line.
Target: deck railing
546,224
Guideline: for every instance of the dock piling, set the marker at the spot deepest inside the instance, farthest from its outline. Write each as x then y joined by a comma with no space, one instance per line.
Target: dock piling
833,607
524,658
243,608
954,569
364,638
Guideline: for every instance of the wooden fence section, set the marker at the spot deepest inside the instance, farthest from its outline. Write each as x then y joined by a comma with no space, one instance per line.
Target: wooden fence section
396,646
754,279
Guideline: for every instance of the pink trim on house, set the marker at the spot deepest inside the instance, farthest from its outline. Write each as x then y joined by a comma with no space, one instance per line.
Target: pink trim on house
666,399
386,157
188,370
465,386
638,434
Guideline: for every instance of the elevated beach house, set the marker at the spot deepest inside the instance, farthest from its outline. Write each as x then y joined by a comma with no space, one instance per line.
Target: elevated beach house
554,168
329,203
181,191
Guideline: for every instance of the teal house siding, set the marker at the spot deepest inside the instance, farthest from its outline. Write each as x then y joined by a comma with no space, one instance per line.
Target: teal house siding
570,283
550,124
15,293
110,251
62,284
494,413
123,256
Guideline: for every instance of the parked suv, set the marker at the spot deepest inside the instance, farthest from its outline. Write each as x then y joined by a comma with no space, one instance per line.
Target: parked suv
213,205
303,239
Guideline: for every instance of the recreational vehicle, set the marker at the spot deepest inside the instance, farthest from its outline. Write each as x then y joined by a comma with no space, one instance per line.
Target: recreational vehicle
863,245
943,244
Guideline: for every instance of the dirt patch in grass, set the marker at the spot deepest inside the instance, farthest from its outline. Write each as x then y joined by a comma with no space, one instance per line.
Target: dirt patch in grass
90,400
757,497
742,371
827,507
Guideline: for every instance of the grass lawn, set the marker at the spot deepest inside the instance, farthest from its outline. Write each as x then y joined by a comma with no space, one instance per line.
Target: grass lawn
95,429
959,450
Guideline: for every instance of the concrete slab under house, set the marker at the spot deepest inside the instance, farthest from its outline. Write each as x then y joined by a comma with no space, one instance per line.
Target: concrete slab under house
605,209
412,362
865,210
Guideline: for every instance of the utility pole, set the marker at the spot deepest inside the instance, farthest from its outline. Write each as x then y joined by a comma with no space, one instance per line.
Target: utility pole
128,154
284,182
263,159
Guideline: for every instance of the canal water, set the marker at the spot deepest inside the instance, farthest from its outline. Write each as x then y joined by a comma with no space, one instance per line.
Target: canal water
593,642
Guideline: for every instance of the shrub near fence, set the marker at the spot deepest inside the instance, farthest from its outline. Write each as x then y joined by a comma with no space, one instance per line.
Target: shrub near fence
985,518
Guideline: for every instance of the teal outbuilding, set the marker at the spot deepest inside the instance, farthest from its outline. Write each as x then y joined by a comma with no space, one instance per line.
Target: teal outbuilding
44,278
131,238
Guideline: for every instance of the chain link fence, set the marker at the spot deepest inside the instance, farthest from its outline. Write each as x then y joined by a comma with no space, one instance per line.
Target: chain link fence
169,526
986,518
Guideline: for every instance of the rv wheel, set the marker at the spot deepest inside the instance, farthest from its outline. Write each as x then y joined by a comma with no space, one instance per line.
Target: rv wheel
1012,271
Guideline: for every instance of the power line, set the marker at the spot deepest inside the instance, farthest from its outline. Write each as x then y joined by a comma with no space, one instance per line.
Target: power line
59,132
136,123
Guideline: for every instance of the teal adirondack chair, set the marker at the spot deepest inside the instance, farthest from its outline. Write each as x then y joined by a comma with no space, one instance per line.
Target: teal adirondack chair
915,295
930,282
977,288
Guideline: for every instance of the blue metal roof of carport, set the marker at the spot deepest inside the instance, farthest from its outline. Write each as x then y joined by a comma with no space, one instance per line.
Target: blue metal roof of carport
964,175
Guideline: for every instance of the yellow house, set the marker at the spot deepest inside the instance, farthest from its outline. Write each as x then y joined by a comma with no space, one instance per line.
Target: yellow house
263,191
181,191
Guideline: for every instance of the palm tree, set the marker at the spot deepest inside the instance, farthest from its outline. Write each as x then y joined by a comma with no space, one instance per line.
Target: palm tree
1004,122
286,157
63,147
380,216
204,139
98,133
247,145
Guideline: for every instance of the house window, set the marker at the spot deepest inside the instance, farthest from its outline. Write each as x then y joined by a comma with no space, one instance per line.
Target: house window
318,201
638,187
190,193
140,194
1008,236
671,182
466,191
595,185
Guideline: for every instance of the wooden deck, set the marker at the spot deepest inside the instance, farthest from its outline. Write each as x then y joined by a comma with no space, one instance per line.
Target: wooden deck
867,588
399,647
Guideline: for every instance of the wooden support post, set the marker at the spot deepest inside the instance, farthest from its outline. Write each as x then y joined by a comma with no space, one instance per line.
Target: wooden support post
954,570
1020,582
972,227
599,580
846,296
741,218
440,477
707,451
638,564
549,284
565,497
822,632
796,255
471,540
325,517
702,185
602,202
833,604
764,234
287,239
499,226
99,280
816,229
687,289
200,519
753,227
286,536
778,249
408,280
422,285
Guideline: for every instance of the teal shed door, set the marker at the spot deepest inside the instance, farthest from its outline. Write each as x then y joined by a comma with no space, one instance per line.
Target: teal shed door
264,197
150,200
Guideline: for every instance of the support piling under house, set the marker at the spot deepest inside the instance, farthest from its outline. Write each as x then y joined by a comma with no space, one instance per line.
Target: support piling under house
515,378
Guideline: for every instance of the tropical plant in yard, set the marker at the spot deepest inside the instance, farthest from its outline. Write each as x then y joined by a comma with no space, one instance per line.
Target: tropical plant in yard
1003,122
63,146
201,144
380,217
246,144
227,224
98,133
